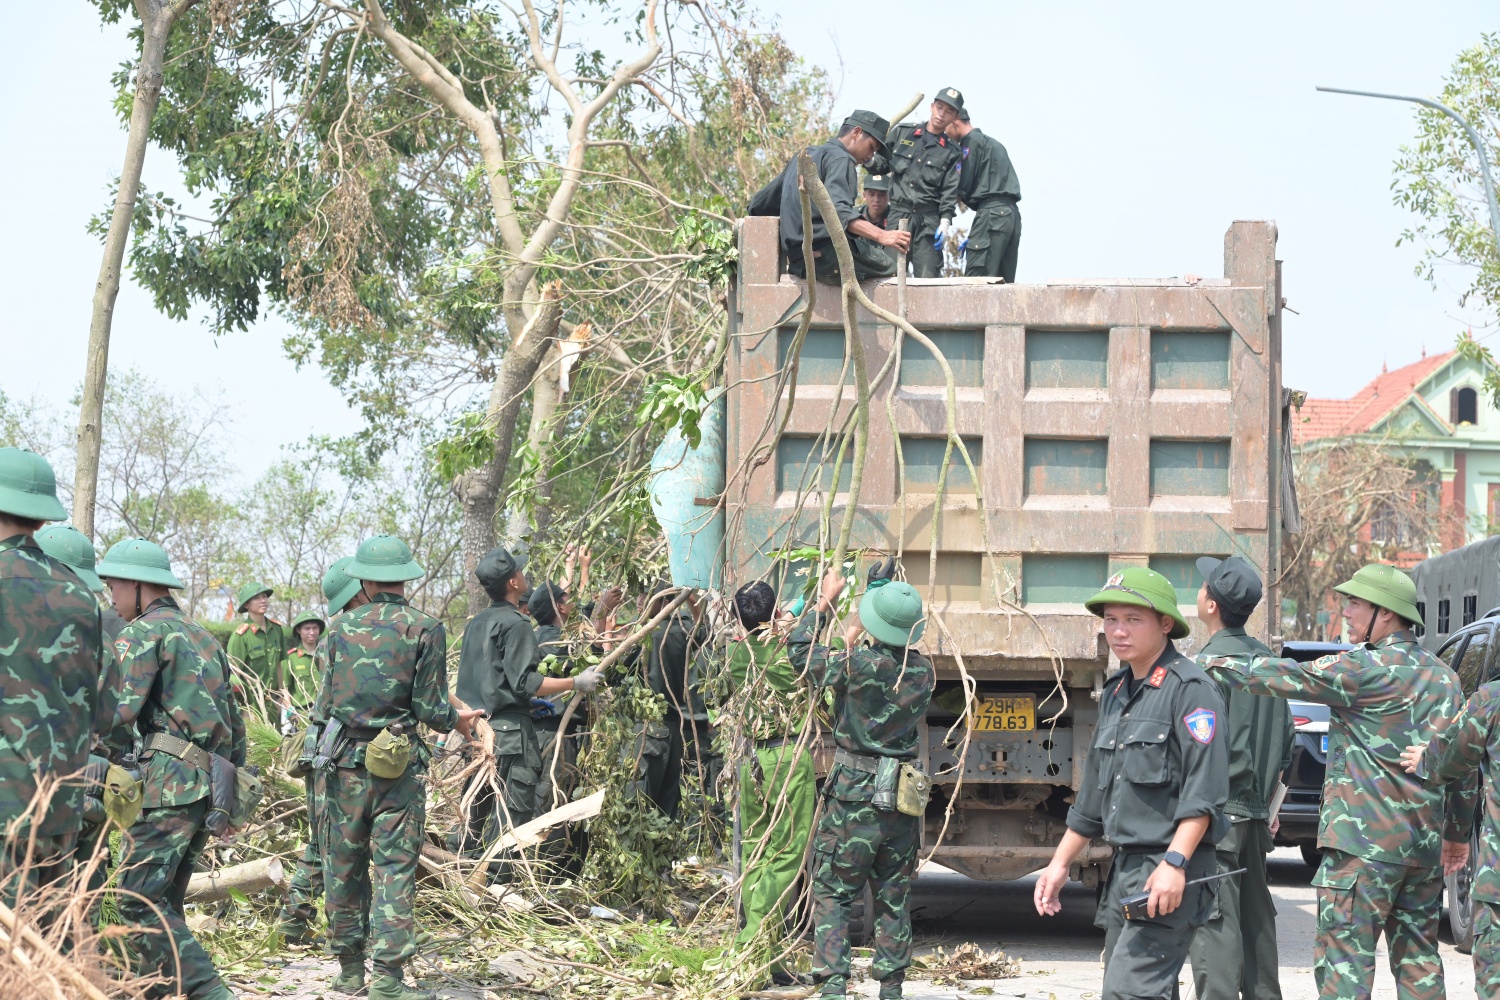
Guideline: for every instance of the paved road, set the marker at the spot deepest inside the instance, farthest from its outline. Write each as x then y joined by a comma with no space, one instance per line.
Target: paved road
1060,955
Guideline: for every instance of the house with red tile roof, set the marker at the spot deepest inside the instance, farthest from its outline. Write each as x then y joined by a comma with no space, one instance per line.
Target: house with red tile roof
1434,410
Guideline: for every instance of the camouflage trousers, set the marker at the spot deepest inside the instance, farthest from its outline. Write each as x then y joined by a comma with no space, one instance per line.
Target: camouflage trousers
161,851
306,889
856,842
372,822
1487,949
22,877
778,797
1143,958
1235,954
1357,900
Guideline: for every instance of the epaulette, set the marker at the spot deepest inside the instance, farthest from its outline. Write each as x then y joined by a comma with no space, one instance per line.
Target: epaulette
272,620
291,651
1157,676
242,629
917,131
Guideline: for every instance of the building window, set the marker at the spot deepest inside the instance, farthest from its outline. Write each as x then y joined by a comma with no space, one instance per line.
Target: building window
1442,622
1421,630
1463,405
1471,608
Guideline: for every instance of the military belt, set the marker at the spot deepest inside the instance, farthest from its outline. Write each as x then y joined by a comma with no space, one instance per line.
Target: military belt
188,753
772,744
856,761
995,199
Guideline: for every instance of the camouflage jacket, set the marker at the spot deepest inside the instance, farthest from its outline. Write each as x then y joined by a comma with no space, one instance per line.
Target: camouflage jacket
1383,697
384,663
1159,756
59,681
1466,752
175,680
881,696
497,667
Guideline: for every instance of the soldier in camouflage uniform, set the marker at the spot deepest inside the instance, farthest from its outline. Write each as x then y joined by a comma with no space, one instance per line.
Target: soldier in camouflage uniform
882,692
1154,785
1470,746
923,164
1385,837
259,641
384,664
59,680
300,912
177,706
73,549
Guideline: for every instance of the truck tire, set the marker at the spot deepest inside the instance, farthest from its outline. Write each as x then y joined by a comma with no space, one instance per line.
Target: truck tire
1460,904
1311,855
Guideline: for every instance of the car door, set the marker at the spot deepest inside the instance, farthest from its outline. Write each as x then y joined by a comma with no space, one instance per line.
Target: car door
1471,654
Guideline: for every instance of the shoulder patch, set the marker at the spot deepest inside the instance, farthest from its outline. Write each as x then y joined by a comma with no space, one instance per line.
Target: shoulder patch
242,629
1201,723
122,646
917,130
292,651
1157,677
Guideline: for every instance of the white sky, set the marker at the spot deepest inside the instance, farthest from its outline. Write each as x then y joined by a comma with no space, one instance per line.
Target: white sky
1139,132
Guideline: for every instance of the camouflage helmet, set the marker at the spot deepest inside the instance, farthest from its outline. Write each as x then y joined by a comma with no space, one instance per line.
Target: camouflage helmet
891,611
249,592
1385,587
73,549
28,486
138,560
1144,588
339,587
384,559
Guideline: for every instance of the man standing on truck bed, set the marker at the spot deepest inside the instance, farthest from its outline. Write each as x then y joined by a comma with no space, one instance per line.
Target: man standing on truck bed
923,163
1234,954
987,184
1384,837
1154,785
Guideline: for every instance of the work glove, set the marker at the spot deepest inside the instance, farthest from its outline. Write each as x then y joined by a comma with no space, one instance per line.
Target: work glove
881,573
963,244
541,708
942,234
587,682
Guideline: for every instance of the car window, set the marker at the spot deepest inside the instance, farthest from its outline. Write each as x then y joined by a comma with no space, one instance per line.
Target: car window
1472,660
1452,651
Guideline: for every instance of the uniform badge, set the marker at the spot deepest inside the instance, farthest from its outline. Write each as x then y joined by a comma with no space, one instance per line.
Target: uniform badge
1114,581
1201,723
242,629
122,646
952,92
1157,676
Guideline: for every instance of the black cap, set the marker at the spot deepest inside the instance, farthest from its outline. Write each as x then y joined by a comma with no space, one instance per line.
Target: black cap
1232,583
544,600
877,182
951,97
963,114
497,566
873,126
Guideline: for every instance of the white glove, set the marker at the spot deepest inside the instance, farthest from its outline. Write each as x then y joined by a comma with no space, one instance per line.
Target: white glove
587,682
944,226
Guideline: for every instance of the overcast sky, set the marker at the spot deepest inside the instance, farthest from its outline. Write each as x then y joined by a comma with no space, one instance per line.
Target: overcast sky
1139,132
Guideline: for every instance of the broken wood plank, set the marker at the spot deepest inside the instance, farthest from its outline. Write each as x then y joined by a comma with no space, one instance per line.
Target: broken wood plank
250,877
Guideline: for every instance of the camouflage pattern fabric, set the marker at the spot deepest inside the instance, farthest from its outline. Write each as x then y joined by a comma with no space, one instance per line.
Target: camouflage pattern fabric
60,682
1461,752
1487,949
306,887
1357,900
161,850
372,836
51,860
857,842
176,680
1143,958
385,663
881,696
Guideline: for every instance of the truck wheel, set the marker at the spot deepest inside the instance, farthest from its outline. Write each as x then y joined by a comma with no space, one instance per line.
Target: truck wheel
1460,905
1311,855
862,917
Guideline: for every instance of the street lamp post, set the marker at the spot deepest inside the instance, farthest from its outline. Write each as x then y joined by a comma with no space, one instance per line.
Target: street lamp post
1474,140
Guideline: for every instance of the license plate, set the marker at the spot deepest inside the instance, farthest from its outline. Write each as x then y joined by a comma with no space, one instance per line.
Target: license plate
1325,742
1004,715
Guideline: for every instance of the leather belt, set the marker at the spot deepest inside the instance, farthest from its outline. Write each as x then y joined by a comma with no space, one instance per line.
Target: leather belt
772,744
188,753
856,761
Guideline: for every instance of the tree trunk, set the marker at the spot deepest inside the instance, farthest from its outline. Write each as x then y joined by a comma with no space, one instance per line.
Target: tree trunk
250,877
553,380
157,20
479,490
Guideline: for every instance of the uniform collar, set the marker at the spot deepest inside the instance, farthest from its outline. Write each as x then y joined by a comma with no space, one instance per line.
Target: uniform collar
387,597
1227,632
162,602
1403,637
1155,676
20,541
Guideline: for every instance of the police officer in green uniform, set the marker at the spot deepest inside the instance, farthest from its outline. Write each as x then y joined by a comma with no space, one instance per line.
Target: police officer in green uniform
297,661
1154,786
73,549
1235,953
259,642
861,137
923,164
1386,838
497,673
987,184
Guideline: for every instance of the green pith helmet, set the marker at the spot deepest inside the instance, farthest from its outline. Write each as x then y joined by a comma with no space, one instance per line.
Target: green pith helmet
249,591
1385,587
339,587
139,560
304,618
72,548
384,559
28,486
1145,588
892,613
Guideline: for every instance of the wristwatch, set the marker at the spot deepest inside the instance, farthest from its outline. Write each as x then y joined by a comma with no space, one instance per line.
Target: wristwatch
1175,859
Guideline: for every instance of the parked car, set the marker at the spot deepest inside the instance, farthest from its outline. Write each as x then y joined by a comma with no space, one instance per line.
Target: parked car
1304,778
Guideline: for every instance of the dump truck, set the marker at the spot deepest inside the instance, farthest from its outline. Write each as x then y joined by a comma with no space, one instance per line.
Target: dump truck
1111,423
